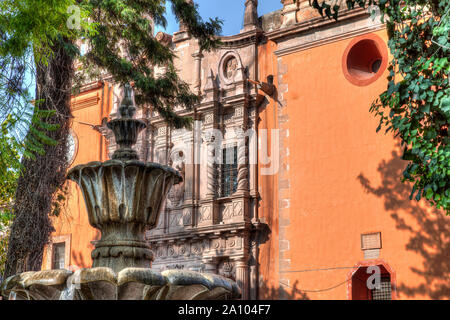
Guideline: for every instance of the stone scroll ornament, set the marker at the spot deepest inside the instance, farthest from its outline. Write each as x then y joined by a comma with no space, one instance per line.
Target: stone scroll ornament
123,199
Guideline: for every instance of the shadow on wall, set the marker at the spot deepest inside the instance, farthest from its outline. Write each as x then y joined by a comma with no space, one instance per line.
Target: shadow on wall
281,292
78,259
429,230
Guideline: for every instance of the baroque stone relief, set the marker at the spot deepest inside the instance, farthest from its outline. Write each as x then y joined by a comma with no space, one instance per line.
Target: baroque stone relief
229,67
227,269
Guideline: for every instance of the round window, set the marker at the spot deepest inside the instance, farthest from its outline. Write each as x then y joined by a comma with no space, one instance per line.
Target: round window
364,60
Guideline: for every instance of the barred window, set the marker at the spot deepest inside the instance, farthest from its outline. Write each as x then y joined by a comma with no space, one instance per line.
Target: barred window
229,171
59,254
384,292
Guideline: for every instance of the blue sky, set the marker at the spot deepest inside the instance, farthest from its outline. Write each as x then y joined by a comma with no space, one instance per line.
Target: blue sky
230,11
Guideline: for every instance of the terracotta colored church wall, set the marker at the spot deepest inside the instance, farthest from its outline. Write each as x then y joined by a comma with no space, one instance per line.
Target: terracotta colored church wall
268,187
72,226
341,180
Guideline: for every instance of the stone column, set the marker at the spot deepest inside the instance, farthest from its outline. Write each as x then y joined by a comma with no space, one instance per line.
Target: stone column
197,67
242,276
209,139
242,158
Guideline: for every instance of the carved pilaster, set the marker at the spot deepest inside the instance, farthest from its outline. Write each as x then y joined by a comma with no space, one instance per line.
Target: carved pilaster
189,166
210,90
254,252
253,154
242,276
161,145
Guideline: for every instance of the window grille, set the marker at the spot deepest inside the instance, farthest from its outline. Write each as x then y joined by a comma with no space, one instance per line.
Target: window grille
59,255
384,292
229,171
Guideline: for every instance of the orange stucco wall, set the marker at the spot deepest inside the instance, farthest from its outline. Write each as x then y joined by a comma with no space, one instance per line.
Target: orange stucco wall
344,180
268,190
88,108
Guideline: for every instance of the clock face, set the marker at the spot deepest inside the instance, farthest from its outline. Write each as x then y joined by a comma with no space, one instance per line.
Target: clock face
72,142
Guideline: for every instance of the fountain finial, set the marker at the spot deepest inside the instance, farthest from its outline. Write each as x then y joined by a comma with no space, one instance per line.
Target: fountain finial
126,128
127,108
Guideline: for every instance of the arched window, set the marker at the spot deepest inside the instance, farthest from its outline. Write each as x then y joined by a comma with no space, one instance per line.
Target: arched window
372,283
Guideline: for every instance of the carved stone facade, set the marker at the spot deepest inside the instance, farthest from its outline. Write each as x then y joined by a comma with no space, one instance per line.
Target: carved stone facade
200,229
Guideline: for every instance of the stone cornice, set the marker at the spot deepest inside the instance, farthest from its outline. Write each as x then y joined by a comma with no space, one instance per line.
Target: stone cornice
198,233
80,103
326,40
242,39
91,86
326,33
314,23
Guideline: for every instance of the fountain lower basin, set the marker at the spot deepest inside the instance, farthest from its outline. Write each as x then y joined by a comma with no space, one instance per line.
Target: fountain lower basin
128,284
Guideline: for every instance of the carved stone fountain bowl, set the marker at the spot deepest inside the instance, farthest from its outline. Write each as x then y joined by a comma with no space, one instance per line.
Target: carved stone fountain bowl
123,199
128,284
118,191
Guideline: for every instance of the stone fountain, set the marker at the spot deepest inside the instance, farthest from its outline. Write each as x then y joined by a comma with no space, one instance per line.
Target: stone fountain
123,198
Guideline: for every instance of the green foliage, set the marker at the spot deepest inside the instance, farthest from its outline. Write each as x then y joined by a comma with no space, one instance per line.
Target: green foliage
416,104
9,167
37,38
38,24
5,222
28,29
9,172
